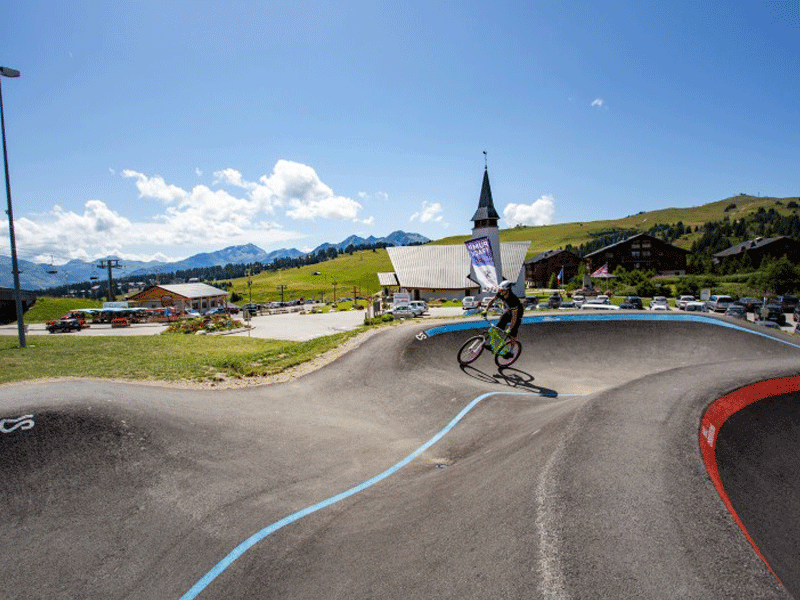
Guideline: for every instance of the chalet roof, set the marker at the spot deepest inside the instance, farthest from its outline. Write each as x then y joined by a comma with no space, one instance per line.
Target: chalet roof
632,238
387,279
548,254
757,243
447,267
486,208
189,290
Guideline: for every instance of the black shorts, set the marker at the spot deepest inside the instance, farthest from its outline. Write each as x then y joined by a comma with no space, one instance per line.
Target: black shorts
513,316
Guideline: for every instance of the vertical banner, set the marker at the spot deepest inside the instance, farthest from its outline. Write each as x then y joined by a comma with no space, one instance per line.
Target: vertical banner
483,270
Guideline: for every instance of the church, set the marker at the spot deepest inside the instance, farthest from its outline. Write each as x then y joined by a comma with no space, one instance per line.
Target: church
430,272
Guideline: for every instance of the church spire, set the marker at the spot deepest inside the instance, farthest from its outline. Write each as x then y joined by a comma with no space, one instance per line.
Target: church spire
486,215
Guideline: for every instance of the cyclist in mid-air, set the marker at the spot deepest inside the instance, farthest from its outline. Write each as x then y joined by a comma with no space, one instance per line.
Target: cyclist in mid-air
514,310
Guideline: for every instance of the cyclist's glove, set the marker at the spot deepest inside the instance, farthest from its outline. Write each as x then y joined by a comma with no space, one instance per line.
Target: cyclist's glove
485,312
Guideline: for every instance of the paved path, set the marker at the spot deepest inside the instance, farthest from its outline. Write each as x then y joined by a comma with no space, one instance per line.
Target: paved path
289,326
574,474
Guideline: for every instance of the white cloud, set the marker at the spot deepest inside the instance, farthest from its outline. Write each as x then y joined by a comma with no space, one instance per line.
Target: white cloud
598,102
155,187
98,231
298,188
200,217
431,212
540,212
198,172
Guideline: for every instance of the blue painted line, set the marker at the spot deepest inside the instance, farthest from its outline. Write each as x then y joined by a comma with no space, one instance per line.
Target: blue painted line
257,537
609,316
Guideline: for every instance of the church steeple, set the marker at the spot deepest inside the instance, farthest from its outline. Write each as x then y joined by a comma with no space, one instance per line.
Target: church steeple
486,215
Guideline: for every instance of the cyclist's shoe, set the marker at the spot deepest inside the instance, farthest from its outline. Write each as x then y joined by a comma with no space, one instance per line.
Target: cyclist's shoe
508,354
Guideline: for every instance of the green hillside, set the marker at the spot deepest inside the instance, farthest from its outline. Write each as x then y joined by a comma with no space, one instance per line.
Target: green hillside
346,271
552,237
359,269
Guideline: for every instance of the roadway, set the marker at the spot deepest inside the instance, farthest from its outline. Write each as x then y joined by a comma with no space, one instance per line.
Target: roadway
577,473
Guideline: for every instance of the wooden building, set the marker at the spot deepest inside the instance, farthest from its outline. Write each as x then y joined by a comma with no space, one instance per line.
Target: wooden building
758,249
641,252
198,296
540,268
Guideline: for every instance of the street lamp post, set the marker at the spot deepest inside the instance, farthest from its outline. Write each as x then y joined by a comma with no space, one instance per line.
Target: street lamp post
8,72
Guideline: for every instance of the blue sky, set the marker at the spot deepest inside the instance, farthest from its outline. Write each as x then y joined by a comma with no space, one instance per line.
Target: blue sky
157,130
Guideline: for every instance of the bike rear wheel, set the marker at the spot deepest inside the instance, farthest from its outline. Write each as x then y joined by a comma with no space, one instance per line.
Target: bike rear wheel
471,349
508,354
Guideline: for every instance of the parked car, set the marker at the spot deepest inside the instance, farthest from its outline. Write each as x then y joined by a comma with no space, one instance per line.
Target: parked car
737,311
719,303
470,302
404,311
659,303
767,323
531,301
64,325
683,301
634,301
555,300
787,303
192,313
601,299
751,304
569,305
696,306
578,299
419,307
773,312
595,305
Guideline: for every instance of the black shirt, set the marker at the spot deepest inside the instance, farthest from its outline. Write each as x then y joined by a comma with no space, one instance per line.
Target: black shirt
510,300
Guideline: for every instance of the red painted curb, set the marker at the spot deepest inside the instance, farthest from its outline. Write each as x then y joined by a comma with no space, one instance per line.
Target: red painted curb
715,416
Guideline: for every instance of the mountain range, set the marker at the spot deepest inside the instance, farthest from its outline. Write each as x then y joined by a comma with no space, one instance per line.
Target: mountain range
39,276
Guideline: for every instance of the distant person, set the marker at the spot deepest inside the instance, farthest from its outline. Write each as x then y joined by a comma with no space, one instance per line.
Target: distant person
514,309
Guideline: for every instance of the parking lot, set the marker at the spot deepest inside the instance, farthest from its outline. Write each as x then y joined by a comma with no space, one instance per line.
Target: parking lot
294,326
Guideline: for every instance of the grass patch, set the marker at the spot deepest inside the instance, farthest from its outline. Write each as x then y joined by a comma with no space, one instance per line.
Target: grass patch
155,358
48,308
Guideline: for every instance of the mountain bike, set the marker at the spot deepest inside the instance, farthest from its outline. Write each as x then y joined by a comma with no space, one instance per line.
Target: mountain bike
506,351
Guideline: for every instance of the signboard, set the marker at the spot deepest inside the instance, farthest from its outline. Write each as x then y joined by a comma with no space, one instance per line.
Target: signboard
115,305
401,299
483,270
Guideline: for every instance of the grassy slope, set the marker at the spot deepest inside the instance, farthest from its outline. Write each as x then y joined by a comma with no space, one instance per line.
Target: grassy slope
551,237
359,269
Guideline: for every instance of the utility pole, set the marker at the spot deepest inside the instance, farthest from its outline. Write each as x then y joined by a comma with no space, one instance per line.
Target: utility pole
111,263
282,288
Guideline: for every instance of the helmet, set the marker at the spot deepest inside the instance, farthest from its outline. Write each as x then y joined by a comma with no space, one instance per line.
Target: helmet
504,285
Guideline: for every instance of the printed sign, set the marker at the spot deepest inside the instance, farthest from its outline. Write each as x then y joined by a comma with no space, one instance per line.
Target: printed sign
483,267
401,299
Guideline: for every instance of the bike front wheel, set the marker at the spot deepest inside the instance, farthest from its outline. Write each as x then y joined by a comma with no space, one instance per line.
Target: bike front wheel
471,349
508,354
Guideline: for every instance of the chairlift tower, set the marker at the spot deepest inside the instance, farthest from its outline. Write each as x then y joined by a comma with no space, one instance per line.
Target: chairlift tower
111,263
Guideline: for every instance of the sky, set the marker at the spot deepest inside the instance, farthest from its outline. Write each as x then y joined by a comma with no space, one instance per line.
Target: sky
158,130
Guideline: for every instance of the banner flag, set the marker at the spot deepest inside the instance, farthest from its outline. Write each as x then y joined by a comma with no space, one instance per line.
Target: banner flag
602,272
483,268
560,275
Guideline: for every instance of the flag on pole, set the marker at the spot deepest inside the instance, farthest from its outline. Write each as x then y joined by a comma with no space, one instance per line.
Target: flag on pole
482,262
560,275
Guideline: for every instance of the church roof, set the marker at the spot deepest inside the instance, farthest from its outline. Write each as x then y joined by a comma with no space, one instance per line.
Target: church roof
485,204
435,267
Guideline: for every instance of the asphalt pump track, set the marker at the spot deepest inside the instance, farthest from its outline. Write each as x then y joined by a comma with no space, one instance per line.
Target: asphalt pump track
583,471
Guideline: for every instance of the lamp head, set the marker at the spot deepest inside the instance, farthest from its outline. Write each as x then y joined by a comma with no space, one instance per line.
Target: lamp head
9,72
